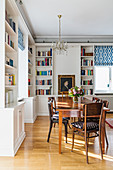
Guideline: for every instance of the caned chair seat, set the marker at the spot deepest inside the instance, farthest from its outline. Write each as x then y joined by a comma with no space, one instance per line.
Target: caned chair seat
56,117
90,125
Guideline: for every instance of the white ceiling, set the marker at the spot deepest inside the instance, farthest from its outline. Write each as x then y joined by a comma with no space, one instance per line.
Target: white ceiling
79,17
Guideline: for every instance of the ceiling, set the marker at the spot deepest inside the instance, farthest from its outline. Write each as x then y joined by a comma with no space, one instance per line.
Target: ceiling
79,17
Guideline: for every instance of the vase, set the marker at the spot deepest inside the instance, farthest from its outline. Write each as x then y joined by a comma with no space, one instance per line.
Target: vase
75,99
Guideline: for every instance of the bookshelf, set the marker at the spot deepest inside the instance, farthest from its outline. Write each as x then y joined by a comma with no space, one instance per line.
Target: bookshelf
43,70
87,69
31,66
11,54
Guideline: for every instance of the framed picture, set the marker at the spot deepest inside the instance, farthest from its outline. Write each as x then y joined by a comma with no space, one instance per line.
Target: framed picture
65,82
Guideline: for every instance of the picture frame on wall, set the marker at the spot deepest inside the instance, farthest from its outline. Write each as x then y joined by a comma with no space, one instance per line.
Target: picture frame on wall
65,82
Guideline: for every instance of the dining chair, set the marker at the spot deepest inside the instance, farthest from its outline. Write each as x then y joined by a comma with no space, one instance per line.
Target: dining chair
91,125
96,100
54,118
57,112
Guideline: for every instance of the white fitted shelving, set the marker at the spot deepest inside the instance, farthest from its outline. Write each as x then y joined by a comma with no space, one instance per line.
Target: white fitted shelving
43,69
87,68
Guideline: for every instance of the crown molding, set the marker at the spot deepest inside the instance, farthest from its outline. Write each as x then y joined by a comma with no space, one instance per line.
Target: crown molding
77,38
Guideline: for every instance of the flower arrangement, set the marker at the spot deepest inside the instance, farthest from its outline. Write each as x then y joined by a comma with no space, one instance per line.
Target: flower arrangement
76,92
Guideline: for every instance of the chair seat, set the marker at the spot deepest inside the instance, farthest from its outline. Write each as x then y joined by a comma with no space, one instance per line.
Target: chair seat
56,116
90,125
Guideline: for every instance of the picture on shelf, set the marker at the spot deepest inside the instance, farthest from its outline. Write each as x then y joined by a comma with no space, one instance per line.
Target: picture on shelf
65,82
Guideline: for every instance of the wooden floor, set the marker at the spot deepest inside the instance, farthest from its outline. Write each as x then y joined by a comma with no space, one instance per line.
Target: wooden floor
36,154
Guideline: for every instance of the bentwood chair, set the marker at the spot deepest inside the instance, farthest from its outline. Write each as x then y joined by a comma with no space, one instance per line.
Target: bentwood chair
91,125
54,118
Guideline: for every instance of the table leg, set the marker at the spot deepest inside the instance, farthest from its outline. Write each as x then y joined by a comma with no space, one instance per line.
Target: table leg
60,131
103,132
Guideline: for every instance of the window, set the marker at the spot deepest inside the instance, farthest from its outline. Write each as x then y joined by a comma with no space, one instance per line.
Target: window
103,79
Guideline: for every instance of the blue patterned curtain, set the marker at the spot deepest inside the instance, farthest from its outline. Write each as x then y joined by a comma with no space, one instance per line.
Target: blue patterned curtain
20,40
103,55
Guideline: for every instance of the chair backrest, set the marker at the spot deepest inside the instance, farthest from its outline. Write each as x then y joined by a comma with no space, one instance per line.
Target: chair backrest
106,103
50,106
93,112
96,100
92,109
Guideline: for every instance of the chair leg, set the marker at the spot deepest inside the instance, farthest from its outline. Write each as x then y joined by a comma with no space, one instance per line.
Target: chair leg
51,124
54,125
69,125
73,136
100,144
86,146
106,138
65,131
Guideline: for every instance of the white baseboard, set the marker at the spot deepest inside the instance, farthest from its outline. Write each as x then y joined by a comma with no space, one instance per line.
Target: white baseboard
43,114
30,120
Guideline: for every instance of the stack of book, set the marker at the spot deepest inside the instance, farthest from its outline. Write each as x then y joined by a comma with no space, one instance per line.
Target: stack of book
88,91
45,62
44,73
28,92
44,82
86,82
29,82
9,61
87,62
9,79
8,40
84,53
44,53
9,97
30,50
43,92
10,21
87,72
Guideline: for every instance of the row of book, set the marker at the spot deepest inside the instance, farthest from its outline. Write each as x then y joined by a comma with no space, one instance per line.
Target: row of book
44,73
87,72
30,50
44,53
9,79
88,91
45,62
29,92
9,61
8,97
44,82
29,82
10,21
84,53
43,92
87,62
87,82
8,40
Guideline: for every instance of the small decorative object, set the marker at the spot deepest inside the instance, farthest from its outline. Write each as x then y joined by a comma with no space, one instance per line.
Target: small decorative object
75,92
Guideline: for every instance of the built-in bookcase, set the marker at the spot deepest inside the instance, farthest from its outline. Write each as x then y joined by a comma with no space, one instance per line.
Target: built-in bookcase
44,70
11,54
30,68
87,69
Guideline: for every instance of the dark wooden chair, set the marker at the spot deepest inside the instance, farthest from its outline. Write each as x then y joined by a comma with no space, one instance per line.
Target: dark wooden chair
54,118
90,126
57,112
96,100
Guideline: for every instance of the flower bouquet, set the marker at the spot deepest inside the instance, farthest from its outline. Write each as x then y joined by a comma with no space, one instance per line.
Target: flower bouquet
75,92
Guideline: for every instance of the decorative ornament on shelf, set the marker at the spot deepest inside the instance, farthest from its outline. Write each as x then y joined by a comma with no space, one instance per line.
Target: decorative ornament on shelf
20,2
75,92
60,46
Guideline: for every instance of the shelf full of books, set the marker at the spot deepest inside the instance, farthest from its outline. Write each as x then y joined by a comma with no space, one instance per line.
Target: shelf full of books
11,46
44,70
87,69
30,68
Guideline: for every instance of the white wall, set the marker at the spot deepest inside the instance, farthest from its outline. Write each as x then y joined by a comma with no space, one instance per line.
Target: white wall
67,65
